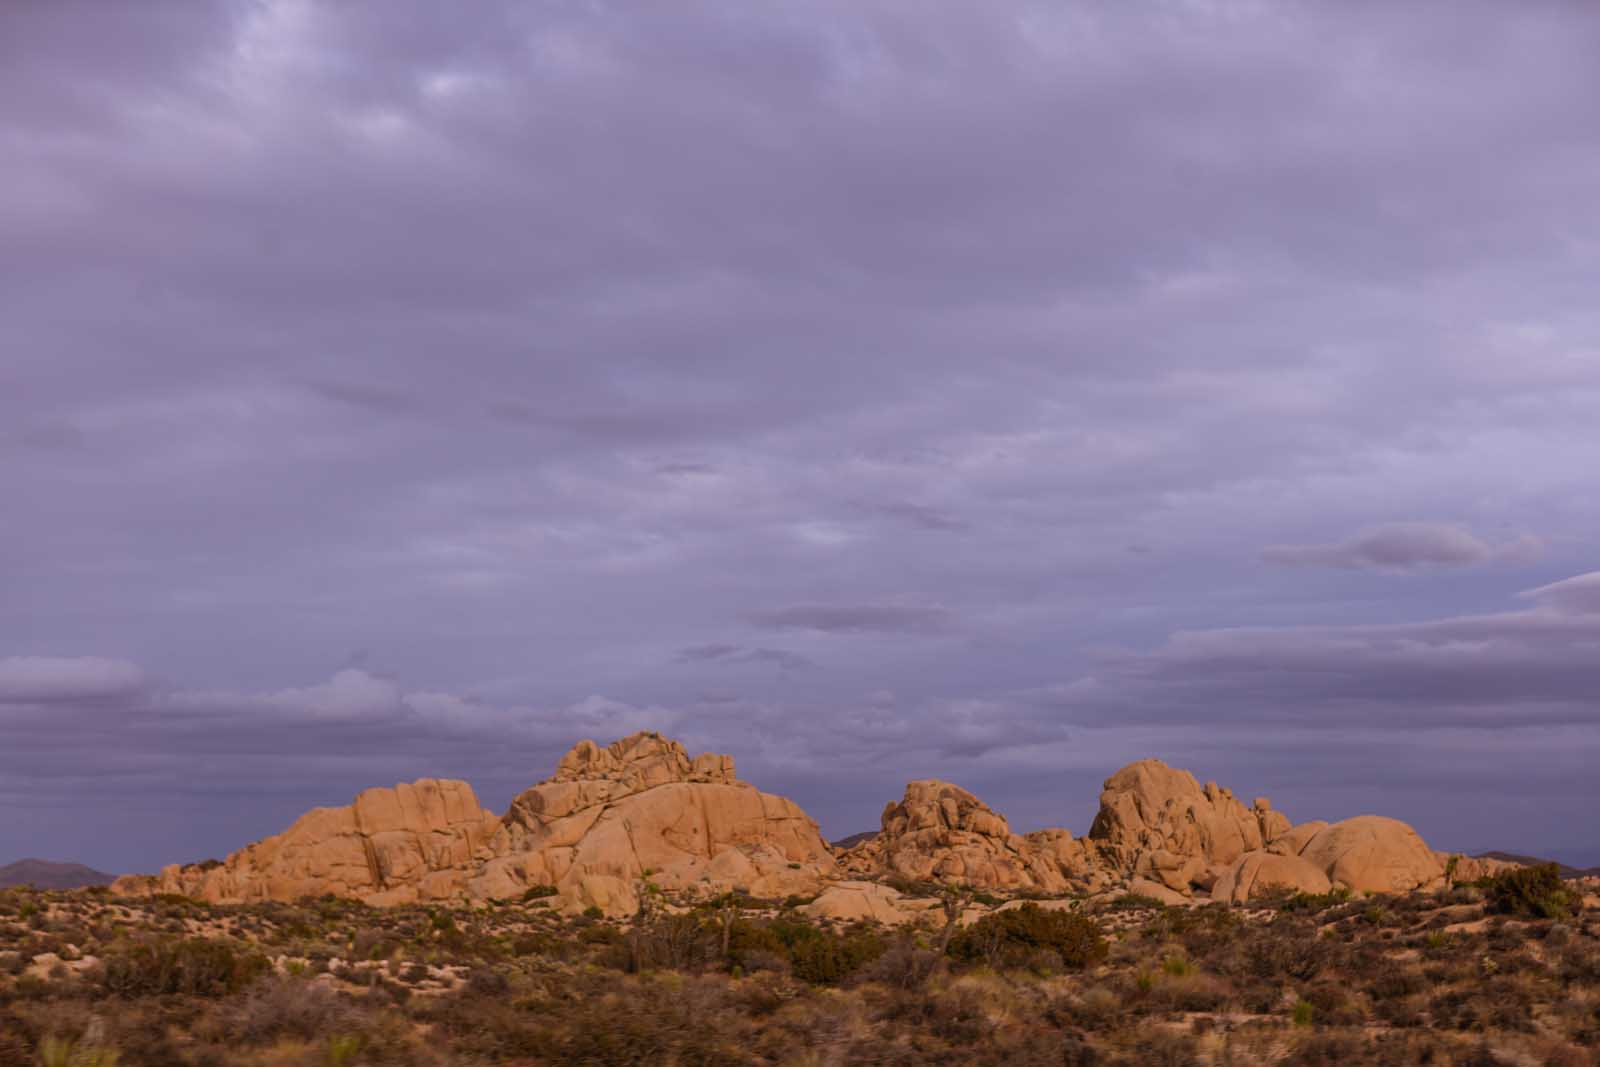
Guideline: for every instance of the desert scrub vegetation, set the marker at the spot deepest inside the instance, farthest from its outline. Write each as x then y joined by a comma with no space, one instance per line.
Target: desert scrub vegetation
1475,975
1531,892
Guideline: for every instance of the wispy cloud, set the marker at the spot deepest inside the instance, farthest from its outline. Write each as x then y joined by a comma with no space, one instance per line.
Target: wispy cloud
1407,546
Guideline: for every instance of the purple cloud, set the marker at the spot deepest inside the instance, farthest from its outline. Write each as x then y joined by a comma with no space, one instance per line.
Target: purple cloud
1406,546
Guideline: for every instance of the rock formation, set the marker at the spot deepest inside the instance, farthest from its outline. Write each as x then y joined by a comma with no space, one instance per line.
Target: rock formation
391,846
858,901
1473,868
1157,822
940,832
1372,854
642,809
607,822
1256,872
642,815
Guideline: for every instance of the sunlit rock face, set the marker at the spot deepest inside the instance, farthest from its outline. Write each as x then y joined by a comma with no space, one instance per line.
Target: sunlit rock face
608,821
413,842
940,832
1158,822
617,820
609,815
1374,854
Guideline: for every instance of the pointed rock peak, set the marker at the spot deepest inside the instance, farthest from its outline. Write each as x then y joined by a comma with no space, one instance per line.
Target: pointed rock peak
1152,777
941,832
932,804
642,760
1159,822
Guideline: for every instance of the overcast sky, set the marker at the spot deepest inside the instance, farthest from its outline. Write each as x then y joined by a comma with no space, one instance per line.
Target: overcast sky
874,390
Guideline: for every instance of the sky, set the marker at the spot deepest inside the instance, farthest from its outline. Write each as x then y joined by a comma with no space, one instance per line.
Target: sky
871,390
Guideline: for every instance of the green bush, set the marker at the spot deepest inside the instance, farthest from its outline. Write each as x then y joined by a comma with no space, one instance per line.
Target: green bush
1532,892
1014,936
1314,902
538,892
814,954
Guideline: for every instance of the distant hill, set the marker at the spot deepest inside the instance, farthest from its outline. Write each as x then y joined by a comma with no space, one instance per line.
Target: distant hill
1534,861
854,839
44,874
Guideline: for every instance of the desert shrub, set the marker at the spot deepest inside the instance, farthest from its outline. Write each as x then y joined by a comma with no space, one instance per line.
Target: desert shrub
1328,1050
1160,1048
1532,892
827,958
673,942
1387,979
1282,950
1496,1004
1192,993
487,982
14,1048
600,935
1579,964
280,1008
538,892
959,1013
595,1021
1333,1005
372,944
1012,936
194,967
904,965
539,943
750,941
1096,1008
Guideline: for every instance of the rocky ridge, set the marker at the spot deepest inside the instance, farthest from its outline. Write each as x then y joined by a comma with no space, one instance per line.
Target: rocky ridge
939,832
610,821
642,816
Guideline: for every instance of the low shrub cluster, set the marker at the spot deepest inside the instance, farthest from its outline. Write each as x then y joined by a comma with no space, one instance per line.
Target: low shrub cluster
1031,936
195,967
1532,892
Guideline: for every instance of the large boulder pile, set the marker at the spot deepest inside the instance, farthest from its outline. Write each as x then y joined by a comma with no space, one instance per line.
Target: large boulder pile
940,832
609,822
1158,823
1373,854
1258,872
641,810
410,843
642,814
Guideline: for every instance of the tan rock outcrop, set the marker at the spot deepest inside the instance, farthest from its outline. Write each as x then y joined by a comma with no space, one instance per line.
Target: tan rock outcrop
866,901
1255,872
1158,822
940,832
1144,887
391,846
642,810
1472,868
606,823
1374,854
641,813
1294,840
